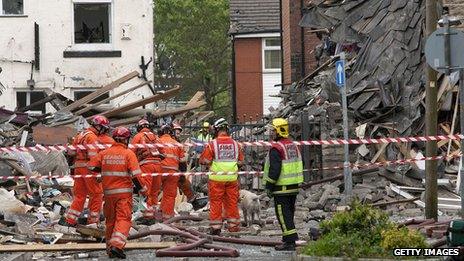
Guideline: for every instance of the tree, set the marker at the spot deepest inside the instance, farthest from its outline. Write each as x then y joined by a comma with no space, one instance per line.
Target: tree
193,48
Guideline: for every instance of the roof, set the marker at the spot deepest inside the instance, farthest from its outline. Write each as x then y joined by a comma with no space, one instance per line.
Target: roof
251,16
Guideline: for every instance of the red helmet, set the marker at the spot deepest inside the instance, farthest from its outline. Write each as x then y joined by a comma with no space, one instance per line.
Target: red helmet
101,121
166,129
176,126
143,122
121,133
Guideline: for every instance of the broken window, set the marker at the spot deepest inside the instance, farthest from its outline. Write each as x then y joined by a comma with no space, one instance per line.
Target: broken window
92,23
11,7
25,98
272,54
81,94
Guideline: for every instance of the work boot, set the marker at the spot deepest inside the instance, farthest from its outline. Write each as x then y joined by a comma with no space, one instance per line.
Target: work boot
116,253
198,203
65,223
286,246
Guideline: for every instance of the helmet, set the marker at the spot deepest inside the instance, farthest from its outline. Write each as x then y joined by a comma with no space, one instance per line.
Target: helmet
221,123
142,124
281,127
205,125
166,129
100,123
121,133
176,126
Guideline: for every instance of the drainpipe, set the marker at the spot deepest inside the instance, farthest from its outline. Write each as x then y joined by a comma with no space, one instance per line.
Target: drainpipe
234,84
281,45
303,64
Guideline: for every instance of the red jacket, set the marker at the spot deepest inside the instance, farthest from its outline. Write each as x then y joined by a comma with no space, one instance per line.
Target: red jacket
145,136
172,155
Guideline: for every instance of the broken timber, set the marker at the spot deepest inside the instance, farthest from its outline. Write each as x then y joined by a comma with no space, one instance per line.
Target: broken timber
82,247
405,194
159,114
99,92
79,112
142,102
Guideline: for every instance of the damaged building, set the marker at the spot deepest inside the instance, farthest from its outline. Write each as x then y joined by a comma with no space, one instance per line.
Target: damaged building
72,47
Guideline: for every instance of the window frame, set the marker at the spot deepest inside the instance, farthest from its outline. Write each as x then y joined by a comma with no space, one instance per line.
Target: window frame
11,15
93,46
270,48
28,100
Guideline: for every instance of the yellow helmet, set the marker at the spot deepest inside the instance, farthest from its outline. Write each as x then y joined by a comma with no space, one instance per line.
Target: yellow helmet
281,127
205,124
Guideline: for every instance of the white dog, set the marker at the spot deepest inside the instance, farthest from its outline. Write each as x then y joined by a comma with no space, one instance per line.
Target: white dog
251,207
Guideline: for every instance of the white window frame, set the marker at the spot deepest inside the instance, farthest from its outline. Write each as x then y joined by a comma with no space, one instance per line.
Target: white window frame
266,48
2,14
93,46
28,100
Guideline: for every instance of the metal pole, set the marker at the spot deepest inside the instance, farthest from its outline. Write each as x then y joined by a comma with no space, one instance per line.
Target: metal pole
305,149
461,119
431,186
346,164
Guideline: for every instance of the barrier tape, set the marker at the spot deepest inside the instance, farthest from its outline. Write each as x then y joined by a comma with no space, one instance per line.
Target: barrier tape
166,174
38,148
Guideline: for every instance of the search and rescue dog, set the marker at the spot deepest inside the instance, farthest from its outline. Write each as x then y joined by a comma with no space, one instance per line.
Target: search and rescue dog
251,207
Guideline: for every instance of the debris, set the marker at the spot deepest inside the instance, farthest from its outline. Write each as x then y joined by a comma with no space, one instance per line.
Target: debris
81,247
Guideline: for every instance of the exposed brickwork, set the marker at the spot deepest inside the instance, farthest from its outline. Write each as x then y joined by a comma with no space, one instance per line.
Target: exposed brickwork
295,60
248,78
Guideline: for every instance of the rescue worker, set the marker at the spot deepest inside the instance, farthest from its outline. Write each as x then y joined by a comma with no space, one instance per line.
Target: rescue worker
185,186
87,186
150,162
119,169
223,154
170,164
283,173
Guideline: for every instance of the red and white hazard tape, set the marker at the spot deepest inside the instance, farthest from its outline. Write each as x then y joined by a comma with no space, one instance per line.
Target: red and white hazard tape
354,165
38,148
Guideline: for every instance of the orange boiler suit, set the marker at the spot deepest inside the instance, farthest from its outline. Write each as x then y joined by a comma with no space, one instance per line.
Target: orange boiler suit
86,186
118,166
150,162
223,194
170,164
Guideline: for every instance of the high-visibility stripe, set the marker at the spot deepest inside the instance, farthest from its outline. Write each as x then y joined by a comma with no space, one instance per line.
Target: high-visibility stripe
80,164
91,153
119,234
170,168
117,191
117,240
148,161
171,156
268,179
136,172
71,216
115,173
281,218
75,212
233,220
289,232
94,214
215,222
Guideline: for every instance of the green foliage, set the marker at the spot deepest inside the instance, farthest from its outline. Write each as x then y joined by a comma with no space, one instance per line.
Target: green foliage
193,47
362,232
402,238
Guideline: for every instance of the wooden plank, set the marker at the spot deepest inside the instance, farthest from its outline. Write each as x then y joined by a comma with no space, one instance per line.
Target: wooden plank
196,98
159,114
99,92
136,104
82,247
46,135
84,110
447,130
380,152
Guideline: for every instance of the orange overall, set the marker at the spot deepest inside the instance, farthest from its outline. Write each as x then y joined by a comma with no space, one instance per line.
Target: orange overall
223,194
118,166
170,164
86,186
150,162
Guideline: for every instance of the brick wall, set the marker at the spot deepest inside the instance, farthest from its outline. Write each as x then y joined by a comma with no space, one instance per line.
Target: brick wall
295,58
248,78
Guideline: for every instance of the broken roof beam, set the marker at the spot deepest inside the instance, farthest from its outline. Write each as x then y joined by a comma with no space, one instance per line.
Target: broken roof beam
93,106
39,102
160,114
162,96
73,106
